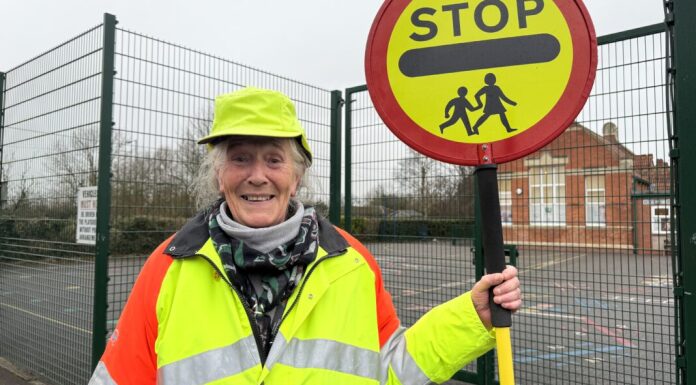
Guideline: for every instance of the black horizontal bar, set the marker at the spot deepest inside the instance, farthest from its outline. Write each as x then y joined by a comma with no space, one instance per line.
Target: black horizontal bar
476,55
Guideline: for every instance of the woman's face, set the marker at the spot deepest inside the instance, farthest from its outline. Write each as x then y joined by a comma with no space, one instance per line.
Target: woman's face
257,180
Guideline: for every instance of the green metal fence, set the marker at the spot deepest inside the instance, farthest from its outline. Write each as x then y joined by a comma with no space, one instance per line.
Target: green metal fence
50,147
590,214
111,99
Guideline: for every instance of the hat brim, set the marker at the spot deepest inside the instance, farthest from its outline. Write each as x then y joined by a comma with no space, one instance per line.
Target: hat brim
259,132
211,139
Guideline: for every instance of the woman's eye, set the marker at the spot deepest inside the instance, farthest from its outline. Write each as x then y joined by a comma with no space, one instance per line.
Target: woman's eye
239,158
275,160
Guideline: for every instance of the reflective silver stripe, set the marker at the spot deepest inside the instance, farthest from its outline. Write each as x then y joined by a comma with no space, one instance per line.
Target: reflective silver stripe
276,350
394,353
101,376
211,365
330,355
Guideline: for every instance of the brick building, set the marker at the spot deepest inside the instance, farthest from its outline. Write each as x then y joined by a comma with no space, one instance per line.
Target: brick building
586,190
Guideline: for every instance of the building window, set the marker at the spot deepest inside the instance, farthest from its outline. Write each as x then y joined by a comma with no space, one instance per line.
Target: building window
595,201
660,219
505,195
547,196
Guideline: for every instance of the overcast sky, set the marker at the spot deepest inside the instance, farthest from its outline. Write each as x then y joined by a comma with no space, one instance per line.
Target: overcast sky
320,42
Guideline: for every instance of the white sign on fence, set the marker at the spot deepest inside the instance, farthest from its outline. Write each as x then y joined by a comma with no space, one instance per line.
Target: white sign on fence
86,215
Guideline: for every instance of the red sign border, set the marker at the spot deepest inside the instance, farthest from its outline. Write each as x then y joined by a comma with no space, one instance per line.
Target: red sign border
561,115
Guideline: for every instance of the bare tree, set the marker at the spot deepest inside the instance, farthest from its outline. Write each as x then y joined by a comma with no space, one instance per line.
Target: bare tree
159,179
461,200
19,200
426,182
4,172
382,202
76,160
190,155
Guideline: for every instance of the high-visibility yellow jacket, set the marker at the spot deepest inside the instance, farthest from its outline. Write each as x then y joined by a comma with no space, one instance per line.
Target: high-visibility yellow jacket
184,323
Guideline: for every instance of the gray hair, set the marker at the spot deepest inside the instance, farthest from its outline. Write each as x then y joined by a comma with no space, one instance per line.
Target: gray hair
205,187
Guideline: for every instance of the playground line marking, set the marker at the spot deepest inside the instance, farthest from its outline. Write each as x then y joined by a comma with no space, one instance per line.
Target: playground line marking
46,318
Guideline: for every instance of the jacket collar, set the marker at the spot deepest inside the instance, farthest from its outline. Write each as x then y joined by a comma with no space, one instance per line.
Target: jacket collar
191,238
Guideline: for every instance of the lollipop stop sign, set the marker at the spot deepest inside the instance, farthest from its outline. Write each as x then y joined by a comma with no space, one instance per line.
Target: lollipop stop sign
447,77
481,82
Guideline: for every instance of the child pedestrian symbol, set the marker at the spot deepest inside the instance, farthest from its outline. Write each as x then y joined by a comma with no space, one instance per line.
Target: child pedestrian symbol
494,106
460,105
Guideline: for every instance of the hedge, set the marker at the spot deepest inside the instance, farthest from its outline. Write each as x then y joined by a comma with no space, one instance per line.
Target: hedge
141,235
379,229
425,229
41,229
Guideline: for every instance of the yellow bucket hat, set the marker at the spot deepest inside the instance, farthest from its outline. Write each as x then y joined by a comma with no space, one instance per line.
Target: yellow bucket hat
256,112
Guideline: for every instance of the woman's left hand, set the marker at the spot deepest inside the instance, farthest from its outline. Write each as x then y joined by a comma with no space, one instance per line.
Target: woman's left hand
506,293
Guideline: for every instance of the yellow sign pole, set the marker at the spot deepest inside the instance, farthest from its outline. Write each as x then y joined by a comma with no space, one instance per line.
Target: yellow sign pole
506,373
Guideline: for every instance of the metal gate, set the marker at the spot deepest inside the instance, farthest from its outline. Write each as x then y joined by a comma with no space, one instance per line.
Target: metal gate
590,214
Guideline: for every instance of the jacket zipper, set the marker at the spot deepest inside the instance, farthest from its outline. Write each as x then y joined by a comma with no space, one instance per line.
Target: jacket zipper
247,308
274,332
254,327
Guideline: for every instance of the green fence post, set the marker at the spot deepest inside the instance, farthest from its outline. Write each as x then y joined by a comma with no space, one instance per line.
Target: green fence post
685,205
101,264
347,210
347,203
335,178
512,253
2,129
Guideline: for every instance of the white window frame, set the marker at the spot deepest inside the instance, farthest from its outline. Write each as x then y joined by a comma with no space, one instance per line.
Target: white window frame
600,205
657,222
553,213
505,197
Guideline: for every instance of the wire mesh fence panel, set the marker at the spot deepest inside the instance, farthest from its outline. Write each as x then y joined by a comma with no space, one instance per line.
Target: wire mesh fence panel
599,260
49,150
590,213
416,215
589,209
163,103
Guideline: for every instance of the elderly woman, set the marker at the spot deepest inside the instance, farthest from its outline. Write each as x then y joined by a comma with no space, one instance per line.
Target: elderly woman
259,289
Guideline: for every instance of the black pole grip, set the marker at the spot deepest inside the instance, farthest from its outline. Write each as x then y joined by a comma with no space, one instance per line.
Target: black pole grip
492,232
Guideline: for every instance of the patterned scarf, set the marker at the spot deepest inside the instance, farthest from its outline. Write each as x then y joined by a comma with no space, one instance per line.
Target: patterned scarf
280,269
